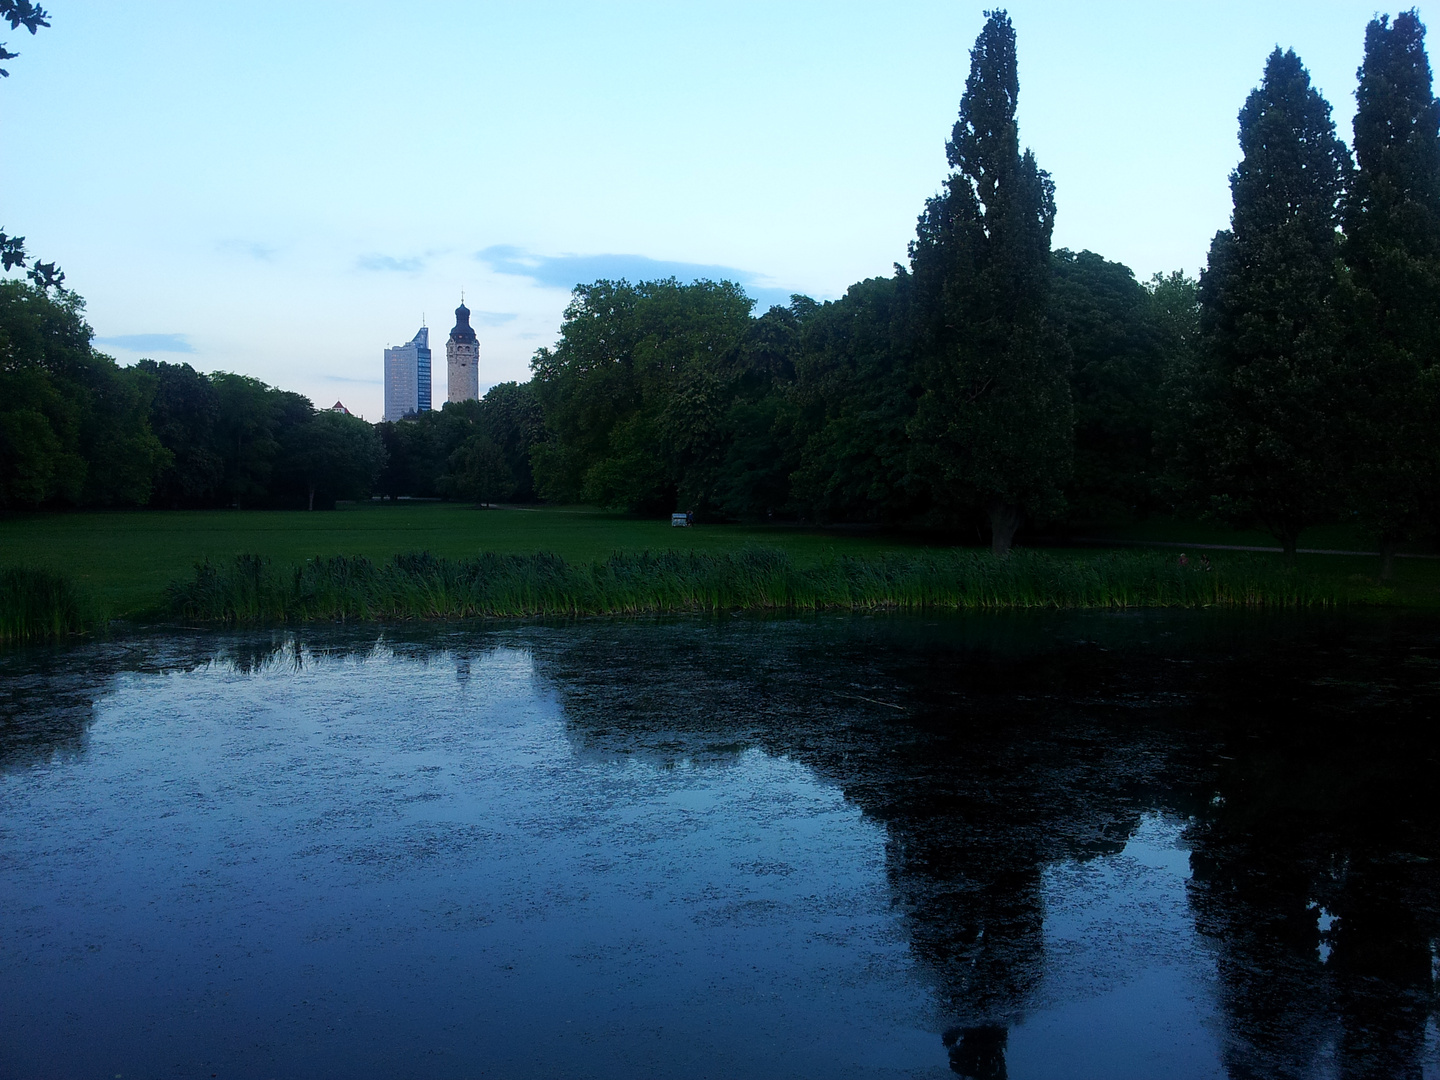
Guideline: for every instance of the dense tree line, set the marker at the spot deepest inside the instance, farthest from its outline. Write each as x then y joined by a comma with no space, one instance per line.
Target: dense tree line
77,429
477,451
989,383
992,381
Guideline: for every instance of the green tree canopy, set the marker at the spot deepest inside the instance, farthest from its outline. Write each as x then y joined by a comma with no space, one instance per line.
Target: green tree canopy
1263,443
329,456
183,413
1392,246
1108,320
855,392
634,392
994,424
478,471
73,424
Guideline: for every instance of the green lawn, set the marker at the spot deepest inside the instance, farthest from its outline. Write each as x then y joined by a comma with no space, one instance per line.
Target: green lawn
1325,537
126,558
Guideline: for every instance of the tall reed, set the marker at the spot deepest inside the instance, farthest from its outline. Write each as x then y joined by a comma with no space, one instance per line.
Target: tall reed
420,585
40,605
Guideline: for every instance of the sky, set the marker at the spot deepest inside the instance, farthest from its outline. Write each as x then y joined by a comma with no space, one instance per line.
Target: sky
284,190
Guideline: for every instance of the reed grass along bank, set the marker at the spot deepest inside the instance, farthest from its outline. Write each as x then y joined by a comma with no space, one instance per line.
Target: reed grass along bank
252,590
41,605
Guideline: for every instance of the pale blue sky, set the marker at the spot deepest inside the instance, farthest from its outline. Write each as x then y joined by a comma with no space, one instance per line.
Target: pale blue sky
283,190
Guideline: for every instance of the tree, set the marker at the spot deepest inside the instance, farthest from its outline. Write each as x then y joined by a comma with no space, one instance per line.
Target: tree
1107,318
635,392
511,417
855,393
252,421
1392,247
45,275
73,424
479,471
1263,442
749,477
20,13
993,426
1175,322
413,460
183,412
332,455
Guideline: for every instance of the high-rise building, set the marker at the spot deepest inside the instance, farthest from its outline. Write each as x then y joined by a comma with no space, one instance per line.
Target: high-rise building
462,356
407,377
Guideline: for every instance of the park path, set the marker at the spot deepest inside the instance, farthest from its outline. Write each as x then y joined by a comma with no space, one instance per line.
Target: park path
1241,547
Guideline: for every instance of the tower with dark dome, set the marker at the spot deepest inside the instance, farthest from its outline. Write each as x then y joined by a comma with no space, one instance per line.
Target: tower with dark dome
462,357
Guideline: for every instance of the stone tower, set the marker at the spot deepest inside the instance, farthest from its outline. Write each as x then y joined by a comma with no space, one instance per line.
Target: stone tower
462,357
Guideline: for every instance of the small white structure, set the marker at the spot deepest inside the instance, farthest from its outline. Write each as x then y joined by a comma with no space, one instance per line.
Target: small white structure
679,521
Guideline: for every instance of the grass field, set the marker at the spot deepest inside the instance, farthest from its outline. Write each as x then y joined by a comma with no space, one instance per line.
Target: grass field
125,559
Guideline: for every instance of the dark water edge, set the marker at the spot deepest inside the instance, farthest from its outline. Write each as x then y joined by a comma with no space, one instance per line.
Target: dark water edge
1080,844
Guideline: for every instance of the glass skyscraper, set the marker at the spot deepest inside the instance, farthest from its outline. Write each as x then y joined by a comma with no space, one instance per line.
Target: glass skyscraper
407,377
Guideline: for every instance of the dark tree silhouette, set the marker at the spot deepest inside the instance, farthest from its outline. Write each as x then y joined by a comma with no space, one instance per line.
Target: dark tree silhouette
1264,441
993,427
1392,246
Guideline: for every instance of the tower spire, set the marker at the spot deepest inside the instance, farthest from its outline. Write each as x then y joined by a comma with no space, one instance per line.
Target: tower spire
462,354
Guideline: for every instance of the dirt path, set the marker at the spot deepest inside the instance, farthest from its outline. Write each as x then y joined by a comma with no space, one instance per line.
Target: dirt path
1240,547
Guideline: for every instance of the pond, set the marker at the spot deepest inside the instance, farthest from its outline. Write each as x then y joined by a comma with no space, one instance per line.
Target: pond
1090,845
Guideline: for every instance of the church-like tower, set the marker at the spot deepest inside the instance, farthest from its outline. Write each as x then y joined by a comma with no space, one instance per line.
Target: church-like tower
462,357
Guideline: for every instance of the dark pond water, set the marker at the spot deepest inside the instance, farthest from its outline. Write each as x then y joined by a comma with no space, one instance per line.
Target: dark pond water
1063,846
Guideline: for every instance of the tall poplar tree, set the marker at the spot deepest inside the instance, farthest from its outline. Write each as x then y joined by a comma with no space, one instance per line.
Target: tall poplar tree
1392,226
993,427
1264,440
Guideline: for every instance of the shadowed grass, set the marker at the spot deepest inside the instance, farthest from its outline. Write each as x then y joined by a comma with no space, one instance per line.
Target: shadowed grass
40,605
419,585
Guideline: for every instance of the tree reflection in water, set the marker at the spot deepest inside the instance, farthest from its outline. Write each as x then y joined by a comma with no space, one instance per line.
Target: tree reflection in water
1301,751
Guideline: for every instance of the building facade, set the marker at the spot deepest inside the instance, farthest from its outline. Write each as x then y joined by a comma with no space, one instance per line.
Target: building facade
407,377
462,358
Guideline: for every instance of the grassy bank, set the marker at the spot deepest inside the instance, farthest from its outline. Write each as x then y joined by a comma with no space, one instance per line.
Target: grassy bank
126,558
40,605
253,590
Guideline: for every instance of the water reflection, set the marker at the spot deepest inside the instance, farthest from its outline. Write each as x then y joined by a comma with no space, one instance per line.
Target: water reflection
1316,859
980,788
1294,759
1302,754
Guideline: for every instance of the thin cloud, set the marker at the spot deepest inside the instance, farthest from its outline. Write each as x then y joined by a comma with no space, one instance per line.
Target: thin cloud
567,271
494,318
390,264
257,251
352,379
149,343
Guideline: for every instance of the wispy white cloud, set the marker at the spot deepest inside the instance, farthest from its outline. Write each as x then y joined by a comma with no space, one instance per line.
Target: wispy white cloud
149,343
251,249
388,263
494,318
567,271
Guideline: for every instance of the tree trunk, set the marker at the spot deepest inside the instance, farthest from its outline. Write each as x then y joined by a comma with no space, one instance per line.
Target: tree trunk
312,498
1387,559
1004,520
